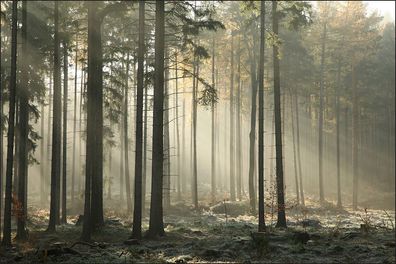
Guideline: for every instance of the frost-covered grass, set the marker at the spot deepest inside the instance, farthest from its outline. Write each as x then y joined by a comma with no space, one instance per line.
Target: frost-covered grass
315,234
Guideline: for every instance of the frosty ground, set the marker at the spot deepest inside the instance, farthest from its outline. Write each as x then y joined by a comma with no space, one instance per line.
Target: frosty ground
223,233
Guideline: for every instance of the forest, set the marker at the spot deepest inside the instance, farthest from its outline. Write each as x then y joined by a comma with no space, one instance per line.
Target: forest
197,132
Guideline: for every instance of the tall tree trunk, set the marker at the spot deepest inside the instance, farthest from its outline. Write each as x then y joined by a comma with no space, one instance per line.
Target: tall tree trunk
232,124
64,153
294,147
144,173
339,202
194,184
56,130
156,225
355,139
1,133
321,95
167,176
24,131
238,126
93,209
82,101
137,213
177,130
281,222
74,129
252,135
213,145
11,128
126,145
298,150
49,139
261,227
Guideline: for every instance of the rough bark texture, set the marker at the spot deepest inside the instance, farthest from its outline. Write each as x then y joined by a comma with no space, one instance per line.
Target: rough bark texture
281,222
10,133
156,225
56,130
261,227
137,213
64,150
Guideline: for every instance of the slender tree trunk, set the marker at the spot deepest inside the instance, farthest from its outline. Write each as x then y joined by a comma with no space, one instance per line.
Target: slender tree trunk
144,173
232,126
1,134
339,202
11,128
156,225
178,171
64,153
298,150
252,136
137,213
281,222
261,227
126,145
56,130
49,139
184,181
213,145
355,139
167,176
322,62
194,185
294,148
74,129
238,126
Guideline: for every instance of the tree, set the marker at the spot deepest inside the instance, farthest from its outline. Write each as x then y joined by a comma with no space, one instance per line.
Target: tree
156,225
56,129
261,227
232,126
281,221
11,128
64,150
23,128
137,214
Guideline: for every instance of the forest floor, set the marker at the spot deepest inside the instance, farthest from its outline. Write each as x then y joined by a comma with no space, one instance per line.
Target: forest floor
315,234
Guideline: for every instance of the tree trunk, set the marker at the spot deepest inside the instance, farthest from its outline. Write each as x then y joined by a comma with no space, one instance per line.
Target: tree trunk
126,145
156,225
252,136
261,227
213,145
194,184
238,126
298,150
56,130
355,139
281,222
137,213
93,209
177,130
339,202
24,131
11,127
232,126
167,176
322,61
294,148
64,153
74,130
144,173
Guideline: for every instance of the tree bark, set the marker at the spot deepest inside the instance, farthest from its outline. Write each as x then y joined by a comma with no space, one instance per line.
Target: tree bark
298,150
56,130
156,224
238,126
11,128
232,124
213,145
261,227
64,153
24,131
281,222
320,156
137,213
126,143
